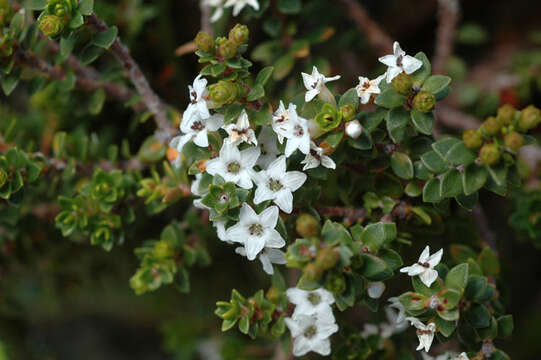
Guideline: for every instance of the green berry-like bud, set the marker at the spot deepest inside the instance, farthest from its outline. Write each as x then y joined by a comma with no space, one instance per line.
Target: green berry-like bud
327,258
506,114
491,126
3,177
223,92
60,8
239,34
51,25
530,117
163,250
204,41
348,112
472,139
307,226
402,84
336,284
312,272
424,101
489,154
514,141
227,49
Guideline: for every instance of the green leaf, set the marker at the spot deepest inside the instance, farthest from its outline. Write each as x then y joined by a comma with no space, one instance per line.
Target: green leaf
461,253
431,191
489,262
498,174
374,268
244,324
451,184
476,287
76,20
389,99
350,97
433,162
424,72
436,83
457,278
396,121
89,54
423,122
505,325
96,102
86,7
290,6
449,315
421,288
66,46
459,154
443,146
446,328
473,178
402,165
283,66
375,235
105,38
478,316
391,258
257,92
35,4
467,201
264,75
413,301
10,82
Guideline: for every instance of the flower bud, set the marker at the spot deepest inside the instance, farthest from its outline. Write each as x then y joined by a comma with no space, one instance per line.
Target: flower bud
348,112
327,258
328,118
3,177
491,126
424,101
307,226
312,272
223,92
472,139
60,8
239,34
227,49
530,117
376,289
51,25
514,141
402,84
489,154
163,250
204,41
506,114
354,129
336,284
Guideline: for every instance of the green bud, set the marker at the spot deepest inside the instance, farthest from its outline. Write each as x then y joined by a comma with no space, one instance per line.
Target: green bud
307,226
239,34
489,154
60,8
506,114
348,112
472,139
223,92
336,284
530,117
402,84
312,272
327,258
163,250
51,25
227,49
491,126
328,118
3,177
424,101
514,141
204,41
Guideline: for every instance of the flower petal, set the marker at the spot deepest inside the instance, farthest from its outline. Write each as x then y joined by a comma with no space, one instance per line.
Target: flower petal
435,258
428,277
269,217
293,180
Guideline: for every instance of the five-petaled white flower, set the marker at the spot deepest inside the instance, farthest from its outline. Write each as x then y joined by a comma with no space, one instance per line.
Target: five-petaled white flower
396,304
256,232
238,5
198,104
234,165
283,120
425,333
196,128
311,334
367,87
313,83
425,266
376,289
240,131
267,256
316,158
399,62
298,135
267,143
316,302
278,185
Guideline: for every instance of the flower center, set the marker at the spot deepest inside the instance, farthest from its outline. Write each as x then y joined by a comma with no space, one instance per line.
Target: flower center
223,198
310,331
425,264
275,185
315,154
283,118
298,131
256,229
366,85
399,61
197,126
434,302
233,167
314,298
193,94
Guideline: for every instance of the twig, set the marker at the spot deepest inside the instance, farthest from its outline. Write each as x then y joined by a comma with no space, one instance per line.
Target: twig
187,48
205,18
484,227
350,213
152,101
375,34
448,16
455,119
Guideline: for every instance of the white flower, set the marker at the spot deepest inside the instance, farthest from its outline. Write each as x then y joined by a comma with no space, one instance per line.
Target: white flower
376,289
267,144
255,231
234,165
198,104
267,256
369,329
444,356
399,62
196,128
395,303
367,87
425,333
354,129
463,356
311,334
298,136
425,266
221,232
392,326
278,185
240,131
313,83
196,190
316,158
316,302
238,5
218,6
281,120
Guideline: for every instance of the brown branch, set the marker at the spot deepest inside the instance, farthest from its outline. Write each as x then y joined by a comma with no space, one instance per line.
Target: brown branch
377,37
484,227
448,16
187,48
205,18
352,214
455,119
152,101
